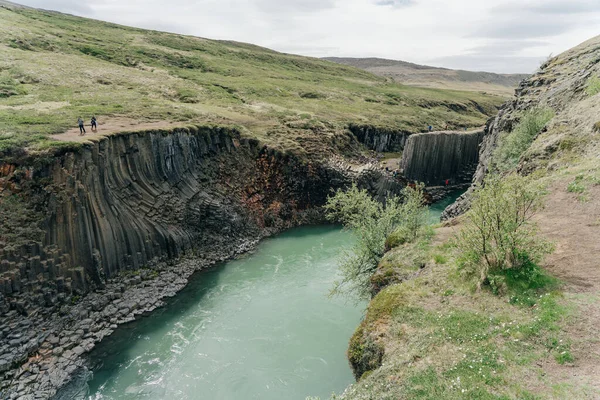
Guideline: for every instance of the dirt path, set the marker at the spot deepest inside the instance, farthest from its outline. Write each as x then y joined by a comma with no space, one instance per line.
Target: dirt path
112,125
574,227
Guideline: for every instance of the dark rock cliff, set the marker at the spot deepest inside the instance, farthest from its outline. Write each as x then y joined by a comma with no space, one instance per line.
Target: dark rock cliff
380,139
133,200
433,158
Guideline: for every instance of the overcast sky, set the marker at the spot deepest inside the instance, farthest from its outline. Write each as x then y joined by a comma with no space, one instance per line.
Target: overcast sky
489,35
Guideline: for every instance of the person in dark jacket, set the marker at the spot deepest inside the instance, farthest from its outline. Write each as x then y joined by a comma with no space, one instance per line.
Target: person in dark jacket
81,127
94,124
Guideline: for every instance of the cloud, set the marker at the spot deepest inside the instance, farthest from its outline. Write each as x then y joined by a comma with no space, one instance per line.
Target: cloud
291,6
395,3
66,6
523,28
561,7
499,64
537,19
499,35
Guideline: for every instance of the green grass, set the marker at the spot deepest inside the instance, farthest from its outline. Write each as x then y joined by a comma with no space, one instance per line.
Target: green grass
55,67
444,340
593,86
513,144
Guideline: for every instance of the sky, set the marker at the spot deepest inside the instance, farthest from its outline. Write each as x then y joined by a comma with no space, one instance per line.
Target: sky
506,36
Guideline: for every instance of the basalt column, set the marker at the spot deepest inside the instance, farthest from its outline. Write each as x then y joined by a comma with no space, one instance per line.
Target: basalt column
433,158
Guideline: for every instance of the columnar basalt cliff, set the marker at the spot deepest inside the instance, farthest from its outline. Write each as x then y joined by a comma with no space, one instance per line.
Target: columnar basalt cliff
380,139
130,201
433,158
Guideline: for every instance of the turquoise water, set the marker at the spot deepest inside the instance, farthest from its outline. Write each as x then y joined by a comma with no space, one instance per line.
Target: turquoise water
261,327
436,209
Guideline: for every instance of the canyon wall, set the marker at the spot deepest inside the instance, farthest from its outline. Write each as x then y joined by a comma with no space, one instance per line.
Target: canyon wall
130,198
433,158
133,200
380,139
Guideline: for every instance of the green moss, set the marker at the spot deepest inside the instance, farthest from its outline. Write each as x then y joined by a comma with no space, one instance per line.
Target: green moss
364,354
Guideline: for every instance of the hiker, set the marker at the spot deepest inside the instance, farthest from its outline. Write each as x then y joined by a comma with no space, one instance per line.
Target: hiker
447,182
94,124
430,128
81,127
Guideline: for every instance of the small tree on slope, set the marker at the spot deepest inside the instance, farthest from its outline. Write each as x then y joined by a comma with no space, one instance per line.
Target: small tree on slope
372,222
499,235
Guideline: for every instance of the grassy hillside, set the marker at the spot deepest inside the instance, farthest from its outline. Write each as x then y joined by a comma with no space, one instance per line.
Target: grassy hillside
55,67
426,76
532,334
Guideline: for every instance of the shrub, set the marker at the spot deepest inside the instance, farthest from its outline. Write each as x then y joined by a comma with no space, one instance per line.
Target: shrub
593,86
373,223
397,238
577,186
513,145
499,241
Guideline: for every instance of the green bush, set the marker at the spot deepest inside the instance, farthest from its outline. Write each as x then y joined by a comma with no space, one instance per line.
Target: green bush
397,238
577,186
593,86
373,223
499,241
514,144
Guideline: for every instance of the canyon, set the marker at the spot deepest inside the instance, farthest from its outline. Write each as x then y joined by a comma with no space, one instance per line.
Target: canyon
128,219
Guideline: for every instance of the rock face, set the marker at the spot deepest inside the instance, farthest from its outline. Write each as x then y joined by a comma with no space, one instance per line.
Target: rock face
380,139
132,201
432,158
560,85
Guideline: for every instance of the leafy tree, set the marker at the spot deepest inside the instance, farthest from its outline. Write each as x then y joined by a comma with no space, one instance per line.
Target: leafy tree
372,222
499,234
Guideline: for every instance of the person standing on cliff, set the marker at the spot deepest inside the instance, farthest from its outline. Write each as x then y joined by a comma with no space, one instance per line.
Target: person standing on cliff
81,127
430,128
94,124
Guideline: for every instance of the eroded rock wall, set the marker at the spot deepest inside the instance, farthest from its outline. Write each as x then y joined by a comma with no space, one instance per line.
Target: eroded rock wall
131,198
435,157
173,200
380,139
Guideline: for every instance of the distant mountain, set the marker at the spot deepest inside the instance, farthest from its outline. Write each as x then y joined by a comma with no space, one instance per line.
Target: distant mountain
426,76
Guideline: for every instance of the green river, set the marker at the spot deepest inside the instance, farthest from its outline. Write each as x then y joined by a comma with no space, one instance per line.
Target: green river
261,327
